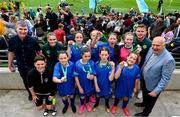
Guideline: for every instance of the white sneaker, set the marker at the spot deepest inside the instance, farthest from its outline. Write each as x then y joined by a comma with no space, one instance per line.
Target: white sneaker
133,95
54,113
45,112
139,95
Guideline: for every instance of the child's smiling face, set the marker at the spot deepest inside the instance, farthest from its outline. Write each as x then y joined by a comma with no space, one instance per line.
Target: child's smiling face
79,38
63,59
131,59
129,40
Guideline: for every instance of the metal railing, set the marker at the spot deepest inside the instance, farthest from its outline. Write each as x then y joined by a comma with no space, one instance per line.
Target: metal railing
177,59
4,59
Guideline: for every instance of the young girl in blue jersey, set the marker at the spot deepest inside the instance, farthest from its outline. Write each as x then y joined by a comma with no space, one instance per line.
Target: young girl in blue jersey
127,77
92,43
111,45
63,75
74,51
104,75
84,77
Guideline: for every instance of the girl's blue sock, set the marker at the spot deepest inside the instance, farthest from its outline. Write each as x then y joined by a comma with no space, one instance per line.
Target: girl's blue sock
107,102
87,99
82,100
72,100
97,101
116,101
65,102
124,104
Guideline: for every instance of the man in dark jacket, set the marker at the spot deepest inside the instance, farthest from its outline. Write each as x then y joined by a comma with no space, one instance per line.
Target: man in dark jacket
24,48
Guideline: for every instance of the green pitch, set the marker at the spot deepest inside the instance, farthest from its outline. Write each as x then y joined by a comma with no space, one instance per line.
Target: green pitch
117,5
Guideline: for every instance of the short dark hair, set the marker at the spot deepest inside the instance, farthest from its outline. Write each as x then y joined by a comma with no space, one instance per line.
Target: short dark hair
84,50
104,49
63,52
39,58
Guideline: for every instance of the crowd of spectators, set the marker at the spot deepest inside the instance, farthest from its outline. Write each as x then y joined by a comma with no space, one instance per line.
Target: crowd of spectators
45,32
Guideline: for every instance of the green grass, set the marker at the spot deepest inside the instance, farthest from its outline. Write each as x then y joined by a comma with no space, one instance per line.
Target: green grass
118,5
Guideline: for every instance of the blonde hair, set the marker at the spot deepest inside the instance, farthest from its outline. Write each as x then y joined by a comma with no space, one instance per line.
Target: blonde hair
2,29
128,34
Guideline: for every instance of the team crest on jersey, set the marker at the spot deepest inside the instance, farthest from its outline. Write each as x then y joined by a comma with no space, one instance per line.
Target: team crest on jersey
144,46
46,80
48,53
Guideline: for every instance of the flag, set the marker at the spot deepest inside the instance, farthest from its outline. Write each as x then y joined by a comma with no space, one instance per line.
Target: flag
92,4
143,7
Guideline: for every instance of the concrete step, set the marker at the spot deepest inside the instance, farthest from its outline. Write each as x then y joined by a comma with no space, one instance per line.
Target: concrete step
14,103
9,80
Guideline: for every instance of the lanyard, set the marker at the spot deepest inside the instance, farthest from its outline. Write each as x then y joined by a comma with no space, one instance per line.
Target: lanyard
87,71
131,47
107,64
76,46
64,70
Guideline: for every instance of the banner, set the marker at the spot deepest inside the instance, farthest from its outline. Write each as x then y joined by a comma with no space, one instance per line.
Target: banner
143,7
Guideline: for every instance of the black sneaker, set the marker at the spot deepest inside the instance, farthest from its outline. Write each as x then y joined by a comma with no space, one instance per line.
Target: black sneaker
30,98
64,109
73,107
46,112
53,113
139,114
139,104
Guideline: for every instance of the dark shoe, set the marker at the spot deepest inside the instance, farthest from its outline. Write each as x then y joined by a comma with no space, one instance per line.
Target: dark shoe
73,107
30,98
139,104
46,112
139,115
64,109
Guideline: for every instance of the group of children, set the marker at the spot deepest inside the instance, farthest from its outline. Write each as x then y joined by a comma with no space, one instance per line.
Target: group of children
90,68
